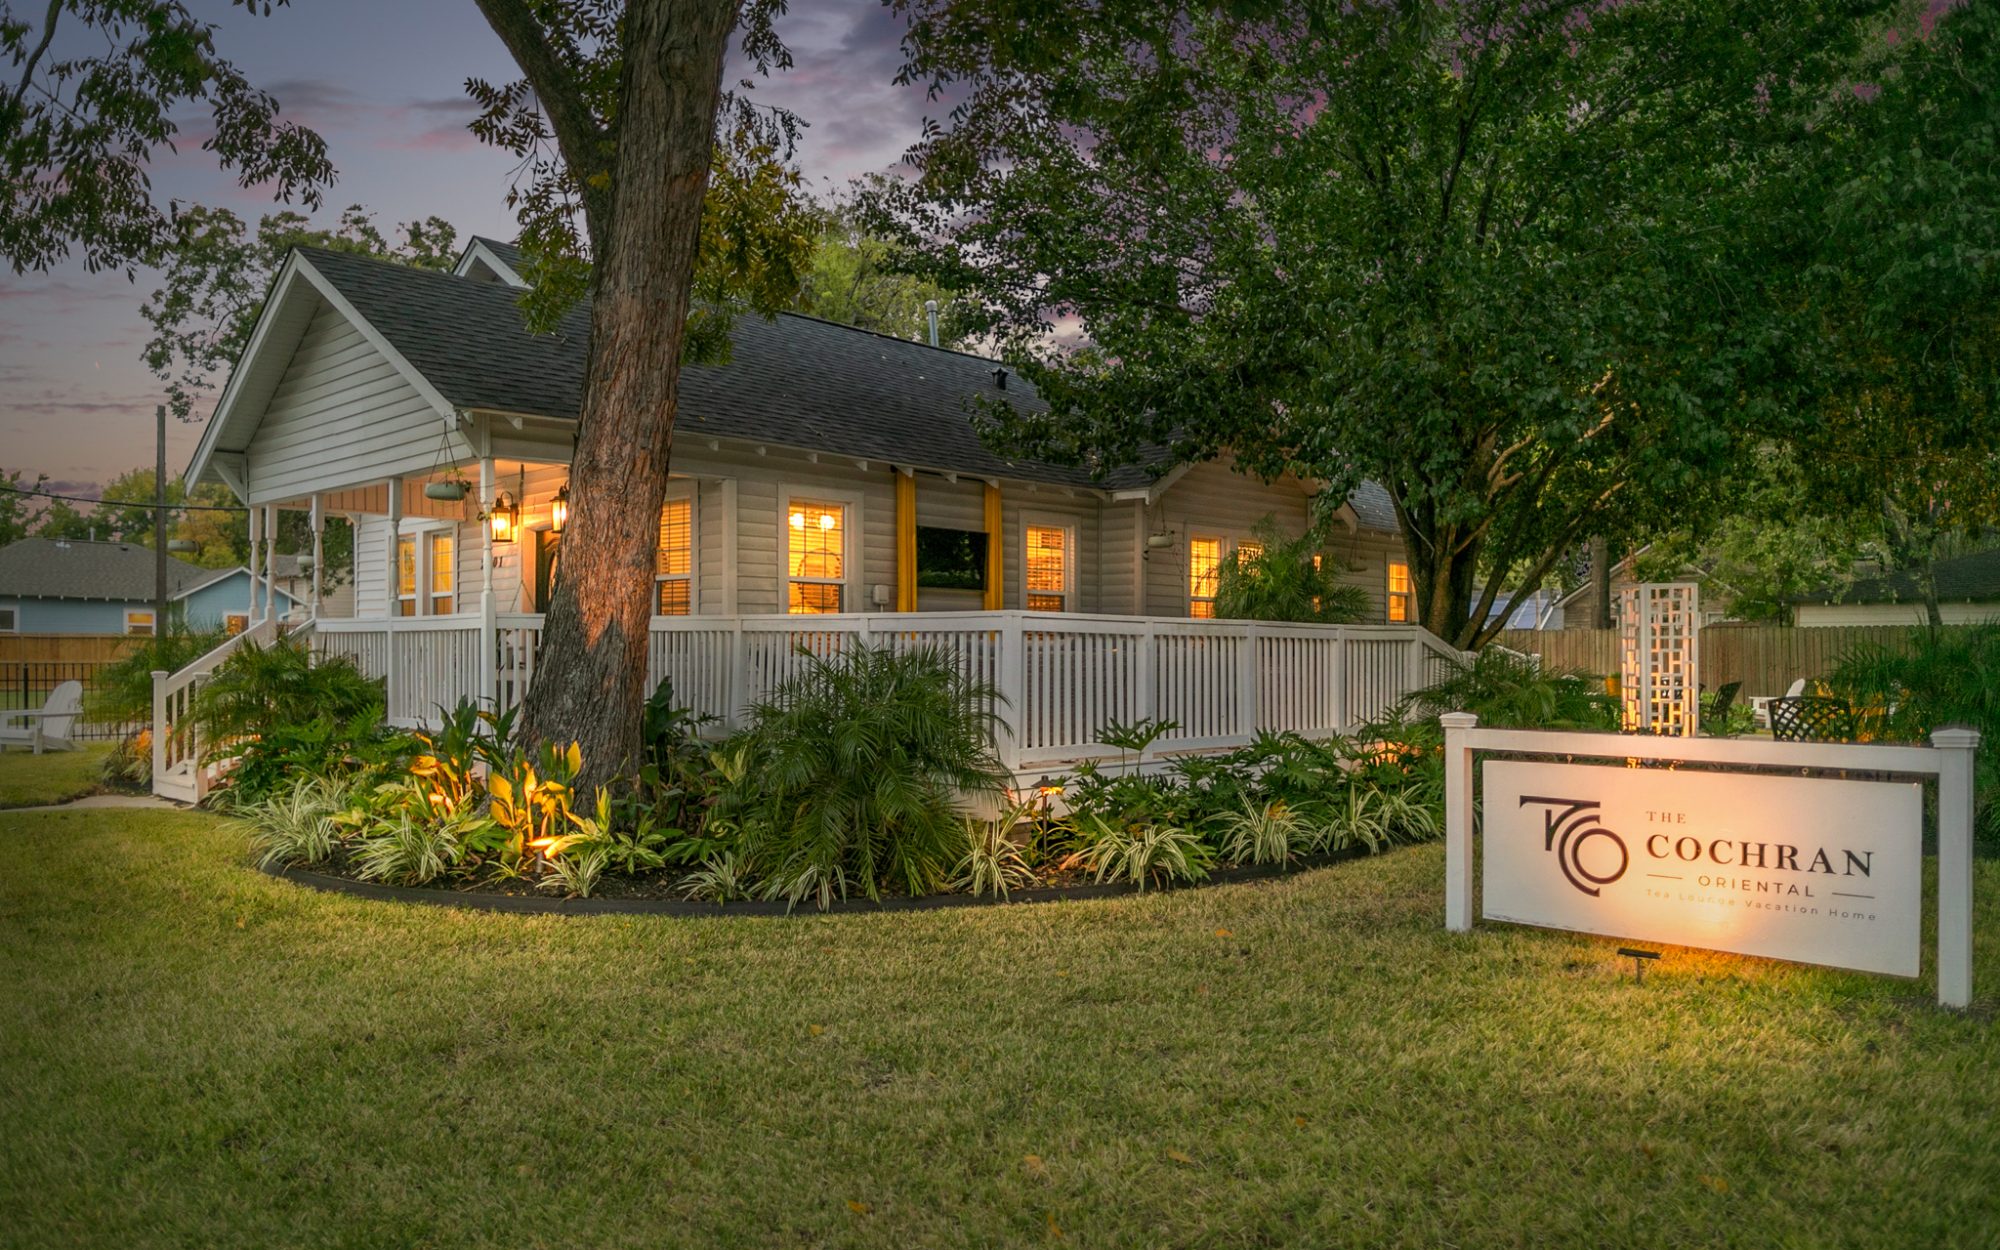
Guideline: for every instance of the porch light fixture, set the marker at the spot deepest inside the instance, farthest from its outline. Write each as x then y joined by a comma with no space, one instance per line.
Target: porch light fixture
505,517
559,509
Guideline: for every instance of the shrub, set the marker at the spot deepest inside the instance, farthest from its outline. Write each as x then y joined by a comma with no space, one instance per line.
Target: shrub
994,863
1945,677
1292,579
858,771
409,849
259,687
1145,854
122,692
1512,691
720,879
1262,833
576,872
296,824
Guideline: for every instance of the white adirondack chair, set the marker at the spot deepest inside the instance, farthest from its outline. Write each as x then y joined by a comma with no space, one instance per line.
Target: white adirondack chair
1761,705
50,727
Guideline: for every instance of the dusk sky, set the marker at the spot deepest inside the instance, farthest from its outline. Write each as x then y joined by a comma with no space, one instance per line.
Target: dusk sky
381,80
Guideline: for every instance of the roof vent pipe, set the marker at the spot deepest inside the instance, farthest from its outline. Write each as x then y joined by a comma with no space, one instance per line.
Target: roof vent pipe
930,312
1000,378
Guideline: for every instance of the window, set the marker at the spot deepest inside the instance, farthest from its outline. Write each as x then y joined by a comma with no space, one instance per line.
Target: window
1204,572
406,576
673,572
138,622
234,623
442,573
1247,550
816,555
10,619
1047,567
1402,598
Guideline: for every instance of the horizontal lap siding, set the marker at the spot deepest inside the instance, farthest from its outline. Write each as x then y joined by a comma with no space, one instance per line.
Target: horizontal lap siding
1365,556
1212,501
1051,505
341,415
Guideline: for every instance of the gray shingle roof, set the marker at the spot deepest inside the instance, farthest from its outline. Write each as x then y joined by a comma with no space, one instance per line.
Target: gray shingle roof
793,381
1974,579
50,568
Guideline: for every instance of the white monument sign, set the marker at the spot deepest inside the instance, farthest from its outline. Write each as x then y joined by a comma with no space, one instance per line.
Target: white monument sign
1814,870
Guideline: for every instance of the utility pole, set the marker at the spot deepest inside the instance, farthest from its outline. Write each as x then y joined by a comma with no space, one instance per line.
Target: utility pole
160,524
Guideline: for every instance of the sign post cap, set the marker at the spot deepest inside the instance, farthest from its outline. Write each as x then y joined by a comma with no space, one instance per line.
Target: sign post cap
1459,720
1957,737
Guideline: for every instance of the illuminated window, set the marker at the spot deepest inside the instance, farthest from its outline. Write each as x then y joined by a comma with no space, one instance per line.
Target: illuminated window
1402,598
1204,572
138,622
406,576
816,556
441,571
673,567
234,623
1247,550
1047,568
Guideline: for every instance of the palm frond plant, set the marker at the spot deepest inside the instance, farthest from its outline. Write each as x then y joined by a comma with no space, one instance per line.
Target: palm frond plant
121,693
261,685
1509,690
860,769
1293,578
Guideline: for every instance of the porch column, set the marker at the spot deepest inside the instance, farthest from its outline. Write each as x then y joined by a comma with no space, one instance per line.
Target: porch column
270,561
489,621
256,551
319,549
996,543
395,489
906,540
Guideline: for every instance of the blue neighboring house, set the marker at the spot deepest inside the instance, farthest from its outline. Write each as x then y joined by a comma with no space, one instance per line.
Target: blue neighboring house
68,586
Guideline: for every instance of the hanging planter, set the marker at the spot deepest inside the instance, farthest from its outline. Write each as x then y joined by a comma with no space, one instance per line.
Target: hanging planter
449,491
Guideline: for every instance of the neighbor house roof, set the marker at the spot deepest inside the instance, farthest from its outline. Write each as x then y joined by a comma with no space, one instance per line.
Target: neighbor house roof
1966,579
61,568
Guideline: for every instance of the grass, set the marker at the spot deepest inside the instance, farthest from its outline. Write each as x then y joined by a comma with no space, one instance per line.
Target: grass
30,780
199,1055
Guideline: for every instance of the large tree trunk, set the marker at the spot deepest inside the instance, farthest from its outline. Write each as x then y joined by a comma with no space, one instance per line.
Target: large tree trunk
590,681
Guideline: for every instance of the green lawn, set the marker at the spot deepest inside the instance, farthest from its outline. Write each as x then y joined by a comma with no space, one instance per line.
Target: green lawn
29,780
199,1055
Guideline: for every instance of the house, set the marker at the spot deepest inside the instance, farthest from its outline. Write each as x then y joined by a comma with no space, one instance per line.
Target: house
828,485
1968,590
824,469
68,586
1576,610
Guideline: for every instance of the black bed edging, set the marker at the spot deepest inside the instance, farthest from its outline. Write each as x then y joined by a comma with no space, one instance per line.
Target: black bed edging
531,904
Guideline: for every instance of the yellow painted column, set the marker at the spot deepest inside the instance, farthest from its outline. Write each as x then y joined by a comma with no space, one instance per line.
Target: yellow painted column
996,546
906,542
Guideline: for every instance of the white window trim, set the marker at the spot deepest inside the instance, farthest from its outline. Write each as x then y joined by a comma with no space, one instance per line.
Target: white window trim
419,530
154,632
851,551
1054,521
681,488
426,568
1390,594
1225,545
13,622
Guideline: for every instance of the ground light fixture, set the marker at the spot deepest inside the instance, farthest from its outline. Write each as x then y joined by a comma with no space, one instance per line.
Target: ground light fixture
1639,960
559,509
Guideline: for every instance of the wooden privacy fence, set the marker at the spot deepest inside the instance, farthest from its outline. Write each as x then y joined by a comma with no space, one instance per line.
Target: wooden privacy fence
65,648
1767,659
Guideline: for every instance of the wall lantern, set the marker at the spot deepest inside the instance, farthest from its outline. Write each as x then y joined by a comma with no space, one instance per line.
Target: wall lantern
505,517
559,509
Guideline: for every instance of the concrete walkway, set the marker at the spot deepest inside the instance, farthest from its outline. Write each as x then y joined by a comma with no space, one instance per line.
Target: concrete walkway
97,802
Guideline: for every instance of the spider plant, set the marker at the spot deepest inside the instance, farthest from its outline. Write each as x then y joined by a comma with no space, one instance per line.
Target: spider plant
1154,854
994,863
1262,833
295,824
576,872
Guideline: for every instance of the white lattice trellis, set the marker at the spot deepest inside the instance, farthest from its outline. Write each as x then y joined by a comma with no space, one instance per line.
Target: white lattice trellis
1659,657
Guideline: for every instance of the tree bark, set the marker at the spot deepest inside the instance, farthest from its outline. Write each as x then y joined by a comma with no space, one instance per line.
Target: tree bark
590,682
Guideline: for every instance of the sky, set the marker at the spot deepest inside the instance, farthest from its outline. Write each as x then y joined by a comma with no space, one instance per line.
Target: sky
382,82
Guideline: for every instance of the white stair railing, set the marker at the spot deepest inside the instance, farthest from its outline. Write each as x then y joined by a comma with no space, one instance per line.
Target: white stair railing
178,770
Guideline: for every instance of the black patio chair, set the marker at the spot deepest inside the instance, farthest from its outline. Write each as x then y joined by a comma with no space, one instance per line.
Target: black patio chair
1808,718
1717,712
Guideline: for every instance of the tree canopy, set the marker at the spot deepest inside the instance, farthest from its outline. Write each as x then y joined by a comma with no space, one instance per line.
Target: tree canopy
1525,265
99,88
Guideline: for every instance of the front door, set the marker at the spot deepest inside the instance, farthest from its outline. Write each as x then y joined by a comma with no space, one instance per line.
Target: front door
546,543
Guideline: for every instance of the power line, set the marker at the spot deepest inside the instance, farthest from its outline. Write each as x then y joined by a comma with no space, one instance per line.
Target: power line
119,503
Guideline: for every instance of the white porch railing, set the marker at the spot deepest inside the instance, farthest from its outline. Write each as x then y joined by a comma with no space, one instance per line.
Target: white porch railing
1064,677
178,771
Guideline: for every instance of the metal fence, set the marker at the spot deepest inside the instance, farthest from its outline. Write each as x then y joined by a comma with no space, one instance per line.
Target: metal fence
28,683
